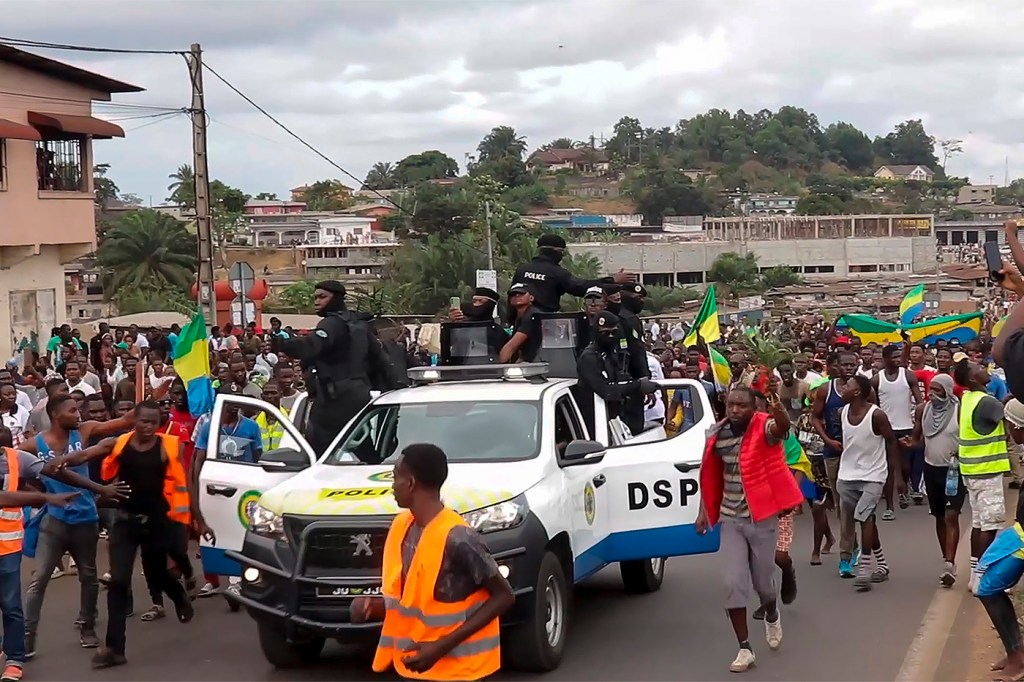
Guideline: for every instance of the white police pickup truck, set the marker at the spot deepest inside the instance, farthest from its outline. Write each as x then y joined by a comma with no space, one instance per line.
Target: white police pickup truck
554,503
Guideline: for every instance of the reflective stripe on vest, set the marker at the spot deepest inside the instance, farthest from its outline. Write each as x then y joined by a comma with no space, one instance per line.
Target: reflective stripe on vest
414,615
980,455
12,522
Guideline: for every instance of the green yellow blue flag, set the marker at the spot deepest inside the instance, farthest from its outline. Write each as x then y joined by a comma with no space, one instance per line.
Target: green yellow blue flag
998,326
192,365
912,305
720,370
961,328
705,325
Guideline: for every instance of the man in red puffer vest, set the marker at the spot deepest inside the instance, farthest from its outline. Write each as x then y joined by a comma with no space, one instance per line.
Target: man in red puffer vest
746,485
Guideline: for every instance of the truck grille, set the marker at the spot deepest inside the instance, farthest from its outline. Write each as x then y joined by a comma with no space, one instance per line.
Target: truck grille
344,549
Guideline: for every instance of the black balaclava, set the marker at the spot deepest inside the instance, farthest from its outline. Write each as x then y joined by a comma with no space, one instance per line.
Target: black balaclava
551,246
337,291
485,312
606,327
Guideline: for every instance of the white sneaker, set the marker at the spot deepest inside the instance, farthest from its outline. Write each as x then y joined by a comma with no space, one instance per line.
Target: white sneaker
744,661
57,573
773,632
972,584
209,590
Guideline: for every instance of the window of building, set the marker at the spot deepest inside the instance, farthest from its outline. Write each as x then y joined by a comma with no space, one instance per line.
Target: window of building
3,164
658,279
972,236
820,269
690,277
59,165
990,235
943,238
864,268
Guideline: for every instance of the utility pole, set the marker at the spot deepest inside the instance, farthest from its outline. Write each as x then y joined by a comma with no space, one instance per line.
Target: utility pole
202,186
490,248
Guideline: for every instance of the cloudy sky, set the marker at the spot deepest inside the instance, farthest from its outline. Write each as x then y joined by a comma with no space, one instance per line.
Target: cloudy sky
375,80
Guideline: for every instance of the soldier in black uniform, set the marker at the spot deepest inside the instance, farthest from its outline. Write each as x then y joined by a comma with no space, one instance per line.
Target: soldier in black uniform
615,297
603,370
550,280
633,296
342,357
481,309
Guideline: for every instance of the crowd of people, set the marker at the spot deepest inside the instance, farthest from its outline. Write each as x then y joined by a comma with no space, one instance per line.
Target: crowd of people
101,443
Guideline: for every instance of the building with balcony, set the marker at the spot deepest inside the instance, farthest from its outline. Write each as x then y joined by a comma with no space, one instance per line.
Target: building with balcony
818,247
768,204
361,262
47,200
84,295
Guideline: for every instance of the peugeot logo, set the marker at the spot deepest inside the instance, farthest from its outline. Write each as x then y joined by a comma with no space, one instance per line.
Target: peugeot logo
362,543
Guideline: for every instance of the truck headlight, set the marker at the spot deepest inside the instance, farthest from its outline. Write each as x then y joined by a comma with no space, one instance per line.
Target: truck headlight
501,516
264,522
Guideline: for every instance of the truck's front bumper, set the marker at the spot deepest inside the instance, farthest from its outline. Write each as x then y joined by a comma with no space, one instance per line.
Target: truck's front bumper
277,585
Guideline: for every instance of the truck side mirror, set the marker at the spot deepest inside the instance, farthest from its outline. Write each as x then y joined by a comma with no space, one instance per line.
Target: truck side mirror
284,460
583,452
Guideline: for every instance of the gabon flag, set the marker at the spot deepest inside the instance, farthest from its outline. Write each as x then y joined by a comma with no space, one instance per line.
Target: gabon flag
192,365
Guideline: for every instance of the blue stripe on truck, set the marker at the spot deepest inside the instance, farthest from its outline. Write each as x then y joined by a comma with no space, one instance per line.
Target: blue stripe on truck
647,543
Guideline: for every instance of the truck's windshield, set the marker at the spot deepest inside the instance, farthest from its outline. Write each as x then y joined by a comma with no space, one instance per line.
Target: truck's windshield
467,431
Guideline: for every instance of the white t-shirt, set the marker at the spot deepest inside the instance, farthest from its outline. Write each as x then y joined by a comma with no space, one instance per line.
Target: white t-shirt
81,386
864,457
17,423
141,342
656,411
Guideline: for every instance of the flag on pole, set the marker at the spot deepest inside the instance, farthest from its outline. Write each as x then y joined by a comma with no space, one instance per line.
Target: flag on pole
192,365
961,328
705,325
720,370
912,305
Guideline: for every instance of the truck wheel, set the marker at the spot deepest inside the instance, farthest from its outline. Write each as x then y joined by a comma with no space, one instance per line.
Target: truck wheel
282,653
643,575
536,645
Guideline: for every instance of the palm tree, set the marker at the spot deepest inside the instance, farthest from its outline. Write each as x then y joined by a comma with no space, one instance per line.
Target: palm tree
739,273
501,142
664,299
381,176
148,249
183,186
563,143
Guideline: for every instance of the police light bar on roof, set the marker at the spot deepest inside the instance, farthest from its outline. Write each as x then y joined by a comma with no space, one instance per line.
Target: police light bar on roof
531,371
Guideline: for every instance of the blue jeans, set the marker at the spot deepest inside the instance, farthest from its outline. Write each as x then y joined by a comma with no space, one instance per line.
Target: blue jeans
10,608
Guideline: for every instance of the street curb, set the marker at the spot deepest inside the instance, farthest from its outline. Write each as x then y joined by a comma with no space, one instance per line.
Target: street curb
921,663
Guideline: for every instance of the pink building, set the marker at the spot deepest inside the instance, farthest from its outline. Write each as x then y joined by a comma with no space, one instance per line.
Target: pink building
47,202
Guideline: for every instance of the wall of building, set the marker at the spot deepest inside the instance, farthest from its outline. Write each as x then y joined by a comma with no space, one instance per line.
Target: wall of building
820,258
31,216
32,300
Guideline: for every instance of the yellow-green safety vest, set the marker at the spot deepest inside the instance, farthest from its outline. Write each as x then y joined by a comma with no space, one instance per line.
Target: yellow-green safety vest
980,455
271,430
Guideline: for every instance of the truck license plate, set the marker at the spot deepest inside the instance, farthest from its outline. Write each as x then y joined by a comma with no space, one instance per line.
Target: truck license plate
340,592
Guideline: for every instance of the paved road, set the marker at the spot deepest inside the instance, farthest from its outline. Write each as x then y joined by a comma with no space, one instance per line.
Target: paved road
679,633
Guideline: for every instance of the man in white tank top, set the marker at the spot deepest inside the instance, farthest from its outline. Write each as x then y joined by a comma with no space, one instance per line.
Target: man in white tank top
870,458
898,395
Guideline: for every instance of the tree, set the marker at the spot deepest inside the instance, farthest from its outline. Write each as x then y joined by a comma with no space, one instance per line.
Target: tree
501,142
666,299
562,143
659,191
780,276
297,297
146,249
183,186
106,190
849,146
434,210
266,196
381,176
227,204
625,140
428,165
739,273
949,148
1011,195
327,195
908,143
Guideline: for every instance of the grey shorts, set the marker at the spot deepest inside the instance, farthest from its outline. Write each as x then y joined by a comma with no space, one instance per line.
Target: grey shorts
859,498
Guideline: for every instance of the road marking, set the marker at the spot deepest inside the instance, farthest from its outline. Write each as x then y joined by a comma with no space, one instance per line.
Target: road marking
921,663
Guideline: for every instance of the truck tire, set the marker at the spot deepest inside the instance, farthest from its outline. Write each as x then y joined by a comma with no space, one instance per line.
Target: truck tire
642,575
282,653
536,645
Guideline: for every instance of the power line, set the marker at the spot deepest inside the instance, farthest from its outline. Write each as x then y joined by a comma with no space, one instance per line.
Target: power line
112,104
21,42
323,156
159,118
